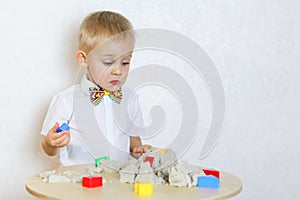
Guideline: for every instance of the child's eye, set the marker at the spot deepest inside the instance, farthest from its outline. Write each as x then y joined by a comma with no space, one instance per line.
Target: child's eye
125,63
107,63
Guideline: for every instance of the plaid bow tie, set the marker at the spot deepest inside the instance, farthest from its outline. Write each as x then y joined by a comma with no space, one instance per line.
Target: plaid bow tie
97,94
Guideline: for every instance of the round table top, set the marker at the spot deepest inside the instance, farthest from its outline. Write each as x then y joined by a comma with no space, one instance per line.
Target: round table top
230,186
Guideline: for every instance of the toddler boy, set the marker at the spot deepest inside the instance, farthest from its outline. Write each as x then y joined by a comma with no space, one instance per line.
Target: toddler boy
102,116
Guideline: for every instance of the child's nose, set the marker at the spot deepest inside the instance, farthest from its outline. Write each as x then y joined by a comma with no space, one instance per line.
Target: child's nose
116,70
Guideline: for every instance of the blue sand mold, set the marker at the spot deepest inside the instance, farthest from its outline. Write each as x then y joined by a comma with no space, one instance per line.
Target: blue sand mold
63,127
208,181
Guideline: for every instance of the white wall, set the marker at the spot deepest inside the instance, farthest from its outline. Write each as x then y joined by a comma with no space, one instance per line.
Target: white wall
255,45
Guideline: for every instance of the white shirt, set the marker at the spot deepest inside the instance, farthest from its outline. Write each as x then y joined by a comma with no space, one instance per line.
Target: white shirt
96,131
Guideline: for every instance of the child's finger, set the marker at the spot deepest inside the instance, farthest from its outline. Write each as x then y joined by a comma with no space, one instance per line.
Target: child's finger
55,136
63,135
144,148
134,150
54,128
63,143
63,140
137,150
55,139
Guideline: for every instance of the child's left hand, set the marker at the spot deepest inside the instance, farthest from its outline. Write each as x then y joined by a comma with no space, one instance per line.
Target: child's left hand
142,148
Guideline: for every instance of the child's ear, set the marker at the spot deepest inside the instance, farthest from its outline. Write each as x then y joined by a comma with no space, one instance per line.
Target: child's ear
81,58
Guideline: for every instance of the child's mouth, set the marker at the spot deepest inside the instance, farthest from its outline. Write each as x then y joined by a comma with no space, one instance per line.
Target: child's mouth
115,82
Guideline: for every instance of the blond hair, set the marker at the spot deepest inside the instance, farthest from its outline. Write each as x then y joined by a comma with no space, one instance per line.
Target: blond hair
99,25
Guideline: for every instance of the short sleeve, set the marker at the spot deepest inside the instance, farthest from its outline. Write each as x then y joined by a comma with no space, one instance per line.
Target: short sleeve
60,110
136,116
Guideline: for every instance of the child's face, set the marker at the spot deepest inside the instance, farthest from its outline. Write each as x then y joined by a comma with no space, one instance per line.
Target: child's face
108,64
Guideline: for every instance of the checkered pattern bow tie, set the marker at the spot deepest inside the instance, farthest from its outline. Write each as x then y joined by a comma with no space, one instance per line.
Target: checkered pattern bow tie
97,94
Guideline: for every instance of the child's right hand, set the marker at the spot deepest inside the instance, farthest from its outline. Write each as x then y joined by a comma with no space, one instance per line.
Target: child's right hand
58,140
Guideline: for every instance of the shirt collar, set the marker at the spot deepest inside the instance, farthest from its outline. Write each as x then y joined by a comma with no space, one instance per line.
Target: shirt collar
85,84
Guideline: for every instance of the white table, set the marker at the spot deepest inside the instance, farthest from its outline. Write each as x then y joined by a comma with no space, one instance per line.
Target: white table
113,189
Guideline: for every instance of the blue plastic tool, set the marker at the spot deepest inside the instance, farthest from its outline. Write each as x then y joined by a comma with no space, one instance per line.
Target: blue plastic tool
208,181
63,127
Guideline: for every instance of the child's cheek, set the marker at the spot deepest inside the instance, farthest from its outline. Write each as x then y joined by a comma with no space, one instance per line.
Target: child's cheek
99,75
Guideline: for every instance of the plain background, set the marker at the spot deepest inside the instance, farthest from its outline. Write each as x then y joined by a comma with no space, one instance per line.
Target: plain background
255,46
